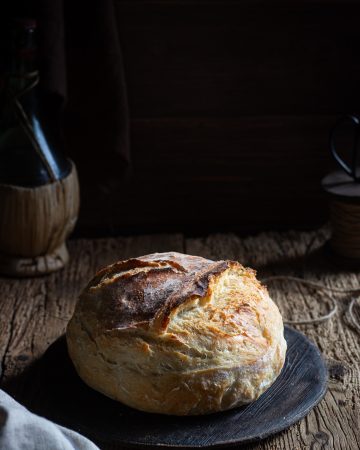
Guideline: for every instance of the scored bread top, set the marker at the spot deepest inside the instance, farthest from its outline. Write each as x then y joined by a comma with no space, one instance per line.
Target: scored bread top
141,290
177,334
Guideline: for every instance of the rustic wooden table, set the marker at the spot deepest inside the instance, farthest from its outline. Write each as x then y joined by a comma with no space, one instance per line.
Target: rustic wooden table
34,313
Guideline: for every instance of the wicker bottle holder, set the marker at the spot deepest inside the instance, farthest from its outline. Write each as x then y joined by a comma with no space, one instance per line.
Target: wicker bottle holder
34,225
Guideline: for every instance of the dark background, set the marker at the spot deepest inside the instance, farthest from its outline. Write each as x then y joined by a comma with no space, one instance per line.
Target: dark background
231,103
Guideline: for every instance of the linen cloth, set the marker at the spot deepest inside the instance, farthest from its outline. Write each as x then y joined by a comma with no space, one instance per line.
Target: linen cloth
22,430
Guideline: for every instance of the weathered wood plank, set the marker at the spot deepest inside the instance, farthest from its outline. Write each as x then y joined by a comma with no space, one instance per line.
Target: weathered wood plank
336,421
225,98
234,167
233,58
34,312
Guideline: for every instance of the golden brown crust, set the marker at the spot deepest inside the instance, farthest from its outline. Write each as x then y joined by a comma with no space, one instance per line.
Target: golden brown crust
177,334
139,289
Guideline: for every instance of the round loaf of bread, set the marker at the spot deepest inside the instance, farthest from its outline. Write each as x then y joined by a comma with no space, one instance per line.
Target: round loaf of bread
177,334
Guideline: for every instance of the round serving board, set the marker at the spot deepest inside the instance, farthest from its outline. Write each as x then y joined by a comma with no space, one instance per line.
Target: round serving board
64,398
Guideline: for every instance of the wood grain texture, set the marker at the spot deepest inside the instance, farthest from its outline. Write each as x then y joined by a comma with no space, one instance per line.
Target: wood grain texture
34,313
248,173
235,58
335,422
231,103
300,386
34,224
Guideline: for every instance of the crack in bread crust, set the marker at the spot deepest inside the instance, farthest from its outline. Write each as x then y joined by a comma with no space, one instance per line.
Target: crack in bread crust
177,334
141,290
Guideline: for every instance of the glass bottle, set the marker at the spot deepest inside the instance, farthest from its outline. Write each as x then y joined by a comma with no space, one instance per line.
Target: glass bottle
31,149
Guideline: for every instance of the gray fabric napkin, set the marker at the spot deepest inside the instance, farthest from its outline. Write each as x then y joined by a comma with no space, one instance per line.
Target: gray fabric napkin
22,430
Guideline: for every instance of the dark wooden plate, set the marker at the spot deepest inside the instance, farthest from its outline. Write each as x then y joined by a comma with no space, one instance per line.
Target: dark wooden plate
64,398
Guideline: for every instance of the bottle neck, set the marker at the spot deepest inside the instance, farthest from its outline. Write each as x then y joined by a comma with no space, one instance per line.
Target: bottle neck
21,61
